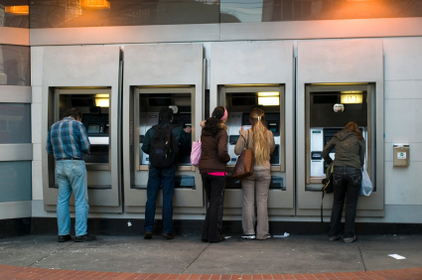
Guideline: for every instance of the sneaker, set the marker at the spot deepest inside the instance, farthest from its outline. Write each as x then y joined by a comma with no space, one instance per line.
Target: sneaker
84,238
349,239
268,236
248,236
148,235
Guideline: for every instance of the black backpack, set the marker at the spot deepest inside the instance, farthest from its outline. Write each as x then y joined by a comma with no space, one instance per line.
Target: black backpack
164,148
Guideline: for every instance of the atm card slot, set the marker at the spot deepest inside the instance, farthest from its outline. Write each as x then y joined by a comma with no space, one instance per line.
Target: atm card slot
233,183
277,183
316,155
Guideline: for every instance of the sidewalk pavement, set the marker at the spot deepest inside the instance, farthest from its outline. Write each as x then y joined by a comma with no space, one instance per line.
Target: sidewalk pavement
186,257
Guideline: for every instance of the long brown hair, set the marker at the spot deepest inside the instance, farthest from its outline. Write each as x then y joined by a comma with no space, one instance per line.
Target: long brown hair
260,140
353,127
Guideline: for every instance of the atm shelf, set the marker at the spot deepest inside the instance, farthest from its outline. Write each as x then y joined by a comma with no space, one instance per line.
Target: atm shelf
90,187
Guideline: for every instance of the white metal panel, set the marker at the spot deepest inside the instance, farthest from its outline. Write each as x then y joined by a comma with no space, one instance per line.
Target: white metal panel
15,210
14,36
37,124
313,29
403,89
15,94
37,57
403,187
259,63
340,61
345,61
15,152
285,30
37,177
403,60
125,34
161,65
403,120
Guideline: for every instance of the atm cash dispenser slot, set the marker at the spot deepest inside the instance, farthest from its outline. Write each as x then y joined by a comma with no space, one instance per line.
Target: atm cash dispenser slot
180,182
275,184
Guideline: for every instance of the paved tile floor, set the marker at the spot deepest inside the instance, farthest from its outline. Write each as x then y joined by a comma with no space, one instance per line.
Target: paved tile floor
187,258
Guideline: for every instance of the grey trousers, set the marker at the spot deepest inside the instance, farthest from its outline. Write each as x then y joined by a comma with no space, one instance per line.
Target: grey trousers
258,184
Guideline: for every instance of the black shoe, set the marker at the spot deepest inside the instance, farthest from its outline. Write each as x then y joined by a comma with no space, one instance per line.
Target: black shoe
334,238
168,235
64,238
148,235
222,238
84,238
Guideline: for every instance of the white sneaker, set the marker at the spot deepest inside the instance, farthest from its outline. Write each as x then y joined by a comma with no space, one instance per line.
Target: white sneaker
248,236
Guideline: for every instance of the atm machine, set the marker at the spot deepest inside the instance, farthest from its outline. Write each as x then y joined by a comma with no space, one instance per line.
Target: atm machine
102,171
149,108
239,101
329,111
145,105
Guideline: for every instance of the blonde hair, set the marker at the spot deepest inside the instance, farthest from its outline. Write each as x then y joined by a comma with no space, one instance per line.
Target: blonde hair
261,147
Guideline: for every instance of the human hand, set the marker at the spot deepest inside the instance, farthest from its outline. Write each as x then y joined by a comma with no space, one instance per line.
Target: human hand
241,129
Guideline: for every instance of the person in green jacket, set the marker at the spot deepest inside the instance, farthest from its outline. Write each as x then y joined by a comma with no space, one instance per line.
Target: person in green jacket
347,176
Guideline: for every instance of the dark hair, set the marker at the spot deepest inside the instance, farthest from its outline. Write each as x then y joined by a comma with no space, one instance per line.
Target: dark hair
166,114
74,113
212,124
353,127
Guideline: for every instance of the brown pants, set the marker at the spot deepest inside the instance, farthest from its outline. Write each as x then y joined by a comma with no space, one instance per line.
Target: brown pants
258,183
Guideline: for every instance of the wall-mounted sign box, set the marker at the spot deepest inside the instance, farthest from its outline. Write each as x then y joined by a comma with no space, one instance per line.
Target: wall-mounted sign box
401,155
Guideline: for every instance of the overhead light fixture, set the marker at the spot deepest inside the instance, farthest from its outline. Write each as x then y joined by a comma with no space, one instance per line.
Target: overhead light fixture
268,101
268,93
98,4
102,100
17,10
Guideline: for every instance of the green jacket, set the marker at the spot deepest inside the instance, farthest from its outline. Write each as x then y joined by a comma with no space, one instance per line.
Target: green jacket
350,151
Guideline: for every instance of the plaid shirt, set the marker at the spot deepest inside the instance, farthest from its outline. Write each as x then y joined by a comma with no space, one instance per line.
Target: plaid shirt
68,139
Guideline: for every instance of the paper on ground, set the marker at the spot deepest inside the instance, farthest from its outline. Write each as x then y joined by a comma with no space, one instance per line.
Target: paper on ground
397,257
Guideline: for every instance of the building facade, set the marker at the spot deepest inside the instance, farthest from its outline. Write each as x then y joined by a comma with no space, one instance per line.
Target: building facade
121,62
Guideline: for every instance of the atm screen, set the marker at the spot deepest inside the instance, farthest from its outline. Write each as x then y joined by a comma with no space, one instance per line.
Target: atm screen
93,128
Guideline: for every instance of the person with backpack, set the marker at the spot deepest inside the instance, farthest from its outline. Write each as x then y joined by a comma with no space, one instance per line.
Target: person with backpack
347,179
162,143
212,166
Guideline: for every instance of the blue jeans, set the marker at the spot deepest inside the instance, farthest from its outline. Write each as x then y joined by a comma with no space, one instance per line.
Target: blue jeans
71,177
347,184
163,177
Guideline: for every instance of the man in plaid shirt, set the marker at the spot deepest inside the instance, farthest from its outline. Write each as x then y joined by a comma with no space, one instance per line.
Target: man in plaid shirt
68,141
